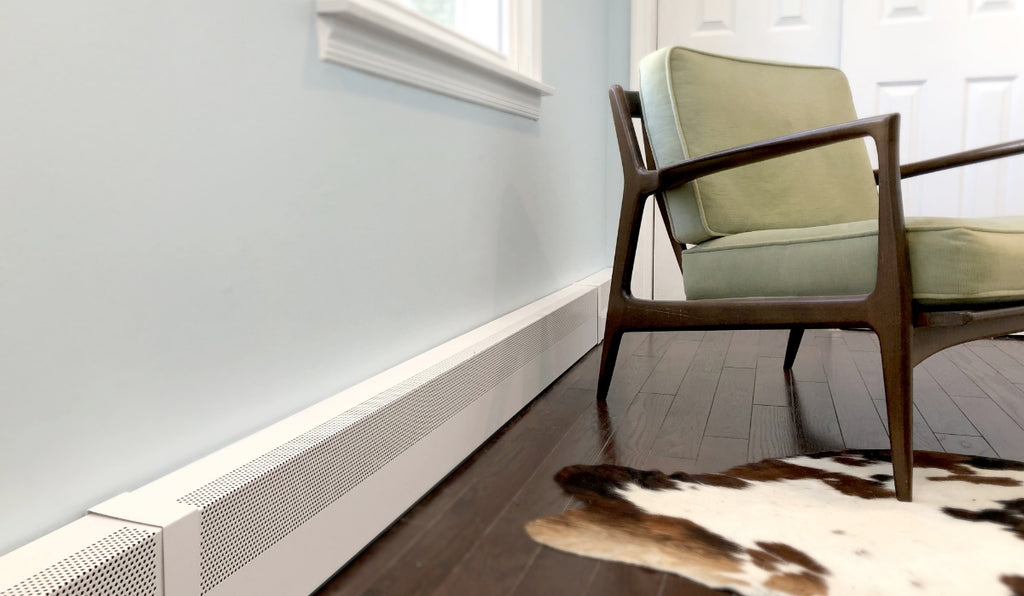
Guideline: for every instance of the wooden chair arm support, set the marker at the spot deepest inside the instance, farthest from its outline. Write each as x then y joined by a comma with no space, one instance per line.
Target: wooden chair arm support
691,169
893,272
963,158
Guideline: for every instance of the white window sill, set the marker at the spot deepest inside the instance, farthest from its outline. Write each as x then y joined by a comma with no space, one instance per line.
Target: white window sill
381,38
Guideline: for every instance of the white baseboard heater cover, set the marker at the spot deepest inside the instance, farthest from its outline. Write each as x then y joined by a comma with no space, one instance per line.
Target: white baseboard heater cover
278,512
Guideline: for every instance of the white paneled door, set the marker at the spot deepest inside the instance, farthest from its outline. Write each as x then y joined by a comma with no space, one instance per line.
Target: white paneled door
784,30
953,69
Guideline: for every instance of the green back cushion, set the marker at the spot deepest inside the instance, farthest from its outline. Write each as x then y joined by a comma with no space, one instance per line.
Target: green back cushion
696,103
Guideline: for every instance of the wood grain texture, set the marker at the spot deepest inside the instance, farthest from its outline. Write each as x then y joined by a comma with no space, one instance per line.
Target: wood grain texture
862,427
924,438
771,387
966,445
815,413
668,374
683,428
730,411
773,433
718,454
952,380
1004,435
742,349
993,384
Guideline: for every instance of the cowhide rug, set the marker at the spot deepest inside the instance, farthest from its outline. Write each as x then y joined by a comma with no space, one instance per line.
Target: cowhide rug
819,524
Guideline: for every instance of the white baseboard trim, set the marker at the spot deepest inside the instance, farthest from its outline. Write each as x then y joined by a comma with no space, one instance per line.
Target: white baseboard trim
281,510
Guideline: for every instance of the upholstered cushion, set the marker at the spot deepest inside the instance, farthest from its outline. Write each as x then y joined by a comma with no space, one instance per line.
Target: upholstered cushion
696,103
952,261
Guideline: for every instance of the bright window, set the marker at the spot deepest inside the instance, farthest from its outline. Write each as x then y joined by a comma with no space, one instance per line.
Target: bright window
483,21
483,51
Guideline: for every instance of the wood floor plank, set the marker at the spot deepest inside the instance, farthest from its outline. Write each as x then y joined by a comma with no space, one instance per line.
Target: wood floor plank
995,385
742,349
555,572
939,411
1003,363
730,410
674,585
869,365
773,433
654,343
494,562
484,484
966,445
1004,435
583,375
718,454
1014,346
771,386
861,341
683,428
772,342
633,341
690,336
669,373
952,380
616,579
817,425
924,437
630,374
859,421
807,366
634,433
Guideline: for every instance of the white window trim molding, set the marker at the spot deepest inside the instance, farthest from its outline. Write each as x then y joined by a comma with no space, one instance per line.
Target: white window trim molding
385,39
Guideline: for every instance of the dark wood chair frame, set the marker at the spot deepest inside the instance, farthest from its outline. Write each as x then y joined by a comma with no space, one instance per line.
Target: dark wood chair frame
907,331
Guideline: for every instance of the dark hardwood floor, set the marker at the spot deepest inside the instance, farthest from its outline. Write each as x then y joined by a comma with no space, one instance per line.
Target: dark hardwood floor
690,401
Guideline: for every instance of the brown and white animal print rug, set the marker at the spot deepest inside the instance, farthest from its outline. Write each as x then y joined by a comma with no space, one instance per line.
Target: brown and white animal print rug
819,524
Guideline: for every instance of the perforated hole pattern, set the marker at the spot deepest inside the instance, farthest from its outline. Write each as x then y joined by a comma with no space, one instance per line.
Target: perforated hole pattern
122,563
248,510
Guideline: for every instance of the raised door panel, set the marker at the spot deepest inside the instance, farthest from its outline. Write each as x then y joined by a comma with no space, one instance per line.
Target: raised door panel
785,30
952,70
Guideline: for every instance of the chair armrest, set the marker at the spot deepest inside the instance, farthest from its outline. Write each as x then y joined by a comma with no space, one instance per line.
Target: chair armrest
678,174
892,282
963,158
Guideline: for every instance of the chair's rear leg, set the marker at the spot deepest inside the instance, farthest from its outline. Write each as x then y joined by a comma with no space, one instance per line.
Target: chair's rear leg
609,351
795,335
899,386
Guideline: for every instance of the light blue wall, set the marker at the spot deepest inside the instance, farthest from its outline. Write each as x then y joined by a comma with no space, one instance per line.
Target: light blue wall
203,228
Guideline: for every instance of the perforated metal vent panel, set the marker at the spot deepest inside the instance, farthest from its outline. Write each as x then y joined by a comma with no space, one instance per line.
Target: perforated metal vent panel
245,512
123,563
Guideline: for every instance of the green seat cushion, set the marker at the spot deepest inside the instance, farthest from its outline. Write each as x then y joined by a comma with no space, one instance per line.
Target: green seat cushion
952,260
696,103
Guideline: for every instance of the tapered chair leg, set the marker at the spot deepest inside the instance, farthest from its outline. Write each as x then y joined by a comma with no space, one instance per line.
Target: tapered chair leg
609,351
898,374
795,335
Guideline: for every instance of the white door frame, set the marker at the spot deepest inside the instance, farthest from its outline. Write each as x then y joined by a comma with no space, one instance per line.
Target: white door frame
643,40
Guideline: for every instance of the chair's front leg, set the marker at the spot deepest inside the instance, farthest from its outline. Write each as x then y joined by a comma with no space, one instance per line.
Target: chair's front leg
898,373
792,346
609,351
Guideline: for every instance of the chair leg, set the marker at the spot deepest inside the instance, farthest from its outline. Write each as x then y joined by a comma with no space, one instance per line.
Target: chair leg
898,374
609,351
795,335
